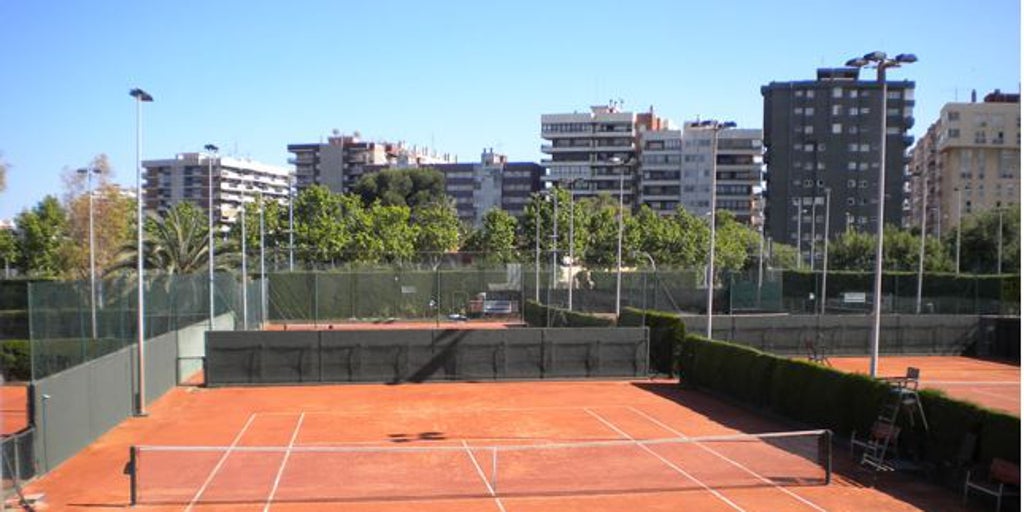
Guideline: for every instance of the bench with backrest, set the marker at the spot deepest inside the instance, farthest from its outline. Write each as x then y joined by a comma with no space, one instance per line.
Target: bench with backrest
1003,479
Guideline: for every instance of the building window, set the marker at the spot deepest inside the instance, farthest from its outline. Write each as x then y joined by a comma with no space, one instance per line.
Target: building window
895,95
853,93
851,201
810,93
809,111
851,184
808,183
851,166
837,110
837,92
837,128
953,115
979,137
953,133
853,111
808,129
863,183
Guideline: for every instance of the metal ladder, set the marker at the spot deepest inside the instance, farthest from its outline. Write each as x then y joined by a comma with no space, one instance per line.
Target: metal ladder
885,431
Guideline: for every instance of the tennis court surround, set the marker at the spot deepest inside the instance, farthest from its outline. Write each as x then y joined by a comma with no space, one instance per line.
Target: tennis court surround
292,357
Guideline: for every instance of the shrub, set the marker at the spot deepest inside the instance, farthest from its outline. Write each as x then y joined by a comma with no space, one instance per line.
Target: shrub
667,333
15,360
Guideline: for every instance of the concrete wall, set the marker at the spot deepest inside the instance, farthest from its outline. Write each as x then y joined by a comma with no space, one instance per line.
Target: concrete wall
192,345
71,408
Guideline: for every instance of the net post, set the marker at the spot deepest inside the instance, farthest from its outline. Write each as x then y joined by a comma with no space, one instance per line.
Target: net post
133,466
827,440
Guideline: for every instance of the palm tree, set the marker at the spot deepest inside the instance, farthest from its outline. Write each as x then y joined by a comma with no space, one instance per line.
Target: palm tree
176,243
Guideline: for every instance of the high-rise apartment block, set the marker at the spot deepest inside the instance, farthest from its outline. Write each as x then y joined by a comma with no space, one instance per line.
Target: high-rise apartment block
340,162
970,155
494,182
659,165
598,151
824,135
235,181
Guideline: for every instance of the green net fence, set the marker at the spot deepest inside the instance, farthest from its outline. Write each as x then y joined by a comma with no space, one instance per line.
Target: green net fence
65,332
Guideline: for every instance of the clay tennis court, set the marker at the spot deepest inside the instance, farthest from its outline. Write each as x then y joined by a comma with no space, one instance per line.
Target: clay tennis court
13,407
992,384
432,447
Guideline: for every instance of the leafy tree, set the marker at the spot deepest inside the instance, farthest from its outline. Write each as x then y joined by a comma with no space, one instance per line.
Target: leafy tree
689,240
496,237
113,228
437,226
275,226
733,241
384,233
42,233
603,231
320,234
413,187
8,250
855,250
782,256
979,241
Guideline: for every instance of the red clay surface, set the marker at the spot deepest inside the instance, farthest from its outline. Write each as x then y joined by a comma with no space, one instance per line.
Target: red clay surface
13,408
992,384
466,420
387,326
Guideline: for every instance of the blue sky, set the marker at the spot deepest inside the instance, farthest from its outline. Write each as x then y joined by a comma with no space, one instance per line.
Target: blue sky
253,76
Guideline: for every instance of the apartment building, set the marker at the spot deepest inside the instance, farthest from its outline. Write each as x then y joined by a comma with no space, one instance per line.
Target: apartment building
597,151
494,182
968,162
824,135
235,181
343,159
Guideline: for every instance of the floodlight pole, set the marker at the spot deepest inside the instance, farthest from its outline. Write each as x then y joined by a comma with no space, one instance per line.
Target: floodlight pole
959,222
616,161
211,153
263,267
245,274
880,63
291,223
140,97
999,252
716,127
92,248
824,262
924,234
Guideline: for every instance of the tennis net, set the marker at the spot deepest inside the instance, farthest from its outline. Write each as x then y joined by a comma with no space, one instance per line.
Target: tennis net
462,469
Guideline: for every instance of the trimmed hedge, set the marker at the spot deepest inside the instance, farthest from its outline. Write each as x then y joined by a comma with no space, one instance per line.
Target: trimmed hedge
844,402
667,332
15,360
536,315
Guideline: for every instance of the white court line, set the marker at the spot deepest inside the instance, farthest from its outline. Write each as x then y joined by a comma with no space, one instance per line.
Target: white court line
284,461
795,496
220,463
483,477
669,463
970,383
448,412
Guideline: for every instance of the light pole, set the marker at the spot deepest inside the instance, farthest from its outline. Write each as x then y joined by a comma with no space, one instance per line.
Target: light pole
92,248
572,235
263,267
554,242
643,317
799,234
618,162
959,220
760,262
211,154
140,98
715,127
920,249
245,274
291,223
880,62
999,252
536,252
824,261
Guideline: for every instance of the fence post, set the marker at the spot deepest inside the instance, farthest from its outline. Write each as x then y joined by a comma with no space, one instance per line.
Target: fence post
133,467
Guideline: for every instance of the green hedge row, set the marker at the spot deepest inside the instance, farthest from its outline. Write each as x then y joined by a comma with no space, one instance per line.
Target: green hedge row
15,360
844,402
667,333
537,314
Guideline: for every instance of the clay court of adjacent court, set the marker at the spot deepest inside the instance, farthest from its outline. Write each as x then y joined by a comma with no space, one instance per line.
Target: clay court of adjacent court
599,445
989,383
